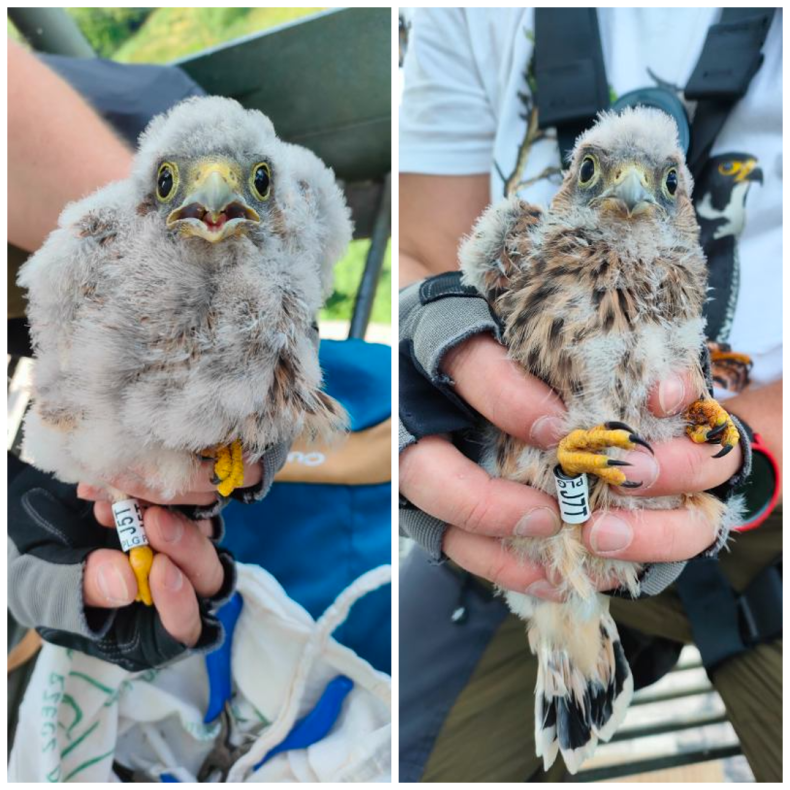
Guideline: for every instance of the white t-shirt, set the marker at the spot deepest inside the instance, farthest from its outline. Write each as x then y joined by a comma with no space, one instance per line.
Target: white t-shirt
462,114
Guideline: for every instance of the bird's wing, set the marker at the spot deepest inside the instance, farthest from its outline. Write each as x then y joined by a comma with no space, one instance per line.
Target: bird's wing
499,245
61,279
317,212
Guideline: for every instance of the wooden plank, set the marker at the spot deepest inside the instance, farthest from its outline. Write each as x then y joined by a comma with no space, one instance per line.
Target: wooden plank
701,772
633,767
647,699
675,725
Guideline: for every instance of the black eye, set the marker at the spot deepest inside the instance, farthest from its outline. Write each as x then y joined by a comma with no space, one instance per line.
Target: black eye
587,170
261,180
165,181
671,181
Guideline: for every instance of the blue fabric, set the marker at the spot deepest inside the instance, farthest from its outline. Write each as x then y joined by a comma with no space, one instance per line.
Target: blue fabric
359,375
316,539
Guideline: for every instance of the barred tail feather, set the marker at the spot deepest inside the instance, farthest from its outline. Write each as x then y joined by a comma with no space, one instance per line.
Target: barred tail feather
575,710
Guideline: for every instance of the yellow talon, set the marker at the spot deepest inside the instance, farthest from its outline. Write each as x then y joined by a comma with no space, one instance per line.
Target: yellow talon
141,558
709,422
576,452
229,467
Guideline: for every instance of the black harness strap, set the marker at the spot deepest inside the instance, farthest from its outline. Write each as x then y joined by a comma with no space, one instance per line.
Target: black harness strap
569,72
571,85
731,56
723,623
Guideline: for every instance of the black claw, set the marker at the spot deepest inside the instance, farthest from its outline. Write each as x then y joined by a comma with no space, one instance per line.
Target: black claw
614,462
641,442
632,435
717,431
618,426
724,450
630,484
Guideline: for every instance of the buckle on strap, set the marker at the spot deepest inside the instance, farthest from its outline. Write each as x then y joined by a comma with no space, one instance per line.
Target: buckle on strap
760,606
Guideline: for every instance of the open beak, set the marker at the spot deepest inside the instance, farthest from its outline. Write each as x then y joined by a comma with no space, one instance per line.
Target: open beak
630,189
212,210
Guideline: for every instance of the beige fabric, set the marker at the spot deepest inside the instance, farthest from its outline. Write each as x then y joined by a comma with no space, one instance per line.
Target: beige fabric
24,650
364,458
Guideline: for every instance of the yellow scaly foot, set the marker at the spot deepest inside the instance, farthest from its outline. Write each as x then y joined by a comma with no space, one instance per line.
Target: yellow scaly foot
141,558
577,452
228,467
709,423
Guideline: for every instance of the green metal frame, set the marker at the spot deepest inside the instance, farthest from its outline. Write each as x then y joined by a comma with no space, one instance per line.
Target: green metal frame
323,82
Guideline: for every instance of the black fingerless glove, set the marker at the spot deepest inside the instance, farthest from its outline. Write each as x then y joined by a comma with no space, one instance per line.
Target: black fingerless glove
51,532
435,316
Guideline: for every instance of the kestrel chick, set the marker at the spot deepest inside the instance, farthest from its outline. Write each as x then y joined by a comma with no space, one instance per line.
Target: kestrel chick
173,313
601,297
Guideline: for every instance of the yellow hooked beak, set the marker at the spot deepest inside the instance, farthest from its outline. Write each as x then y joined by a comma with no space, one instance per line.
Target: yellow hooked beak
630,188
214,208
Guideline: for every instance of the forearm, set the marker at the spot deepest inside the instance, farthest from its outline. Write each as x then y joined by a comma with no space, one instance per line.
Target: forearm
58,149
761,408
411,269
436,212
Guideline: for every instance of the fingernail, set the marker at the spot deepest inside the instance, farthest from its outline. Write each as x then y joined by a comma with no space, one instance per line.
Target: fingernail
112,584
170,526
671,393
610,534
173,577
541,522
542,589
547,431
643,469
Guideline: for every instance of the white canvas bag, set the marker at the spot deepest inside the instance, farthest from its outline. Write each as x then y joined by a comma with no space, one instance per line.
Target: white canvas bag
80,714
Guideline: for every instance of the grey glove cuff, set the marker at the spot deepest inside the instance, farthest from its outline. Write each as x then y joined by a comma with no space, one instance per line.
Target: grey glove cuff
405,439
426,531
272,461
435,316
435,320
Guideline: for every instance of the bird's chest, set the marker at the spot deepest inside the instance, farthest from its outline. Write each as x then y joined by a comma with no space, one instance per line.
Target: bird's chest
599,328
182,317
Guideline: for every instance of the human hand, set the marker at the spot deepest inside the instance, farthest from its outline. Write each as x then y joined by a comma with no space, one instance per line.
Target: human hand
186,565
479,510
56,547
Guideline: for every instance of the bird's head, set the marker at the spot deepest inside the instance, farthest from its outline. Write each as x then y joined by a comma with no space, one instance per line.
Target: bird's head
207,169
213,196
628,167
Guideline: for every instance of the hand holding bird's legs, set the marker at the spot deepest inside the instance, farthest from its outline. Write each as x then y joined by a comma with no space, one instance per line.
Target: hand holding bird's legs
578,452
185,567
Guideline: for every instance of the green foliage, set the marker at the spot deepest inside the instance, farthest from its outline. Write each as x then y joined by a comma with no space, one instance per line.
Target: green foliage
13,33
107,28
171,33
348,275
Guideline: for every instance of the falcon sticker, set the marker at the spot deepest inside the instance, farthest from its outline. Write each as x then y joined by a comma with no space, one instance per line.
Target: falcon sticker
720,200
